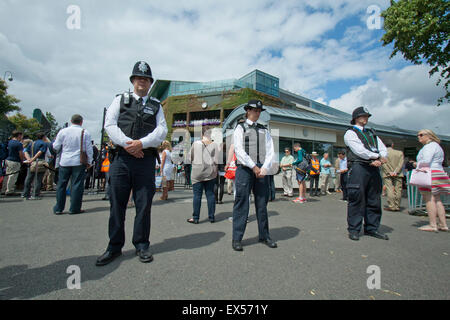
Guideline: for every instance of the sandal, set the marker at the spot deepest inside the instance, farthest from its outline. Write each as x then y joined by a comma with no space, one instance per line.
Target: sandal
428,228
191,220
440,228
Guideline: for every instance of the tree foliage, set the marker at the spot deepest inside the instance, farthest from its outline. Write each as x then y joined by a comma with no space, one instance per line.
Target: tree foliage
29,126
420,31
8,103
54,125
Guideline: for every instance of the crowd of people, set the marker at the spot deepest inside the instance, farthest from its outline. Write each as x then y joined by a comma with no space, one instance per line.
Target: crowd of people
137,153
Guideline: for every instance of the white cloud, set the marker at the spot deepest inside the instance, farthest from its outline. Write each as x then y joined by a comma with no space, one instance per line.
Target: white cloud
406,98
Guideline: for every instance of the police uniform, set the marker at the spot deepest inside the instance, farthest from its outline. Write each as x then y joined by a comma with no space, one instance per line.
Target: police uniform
253,147
364,182
131,117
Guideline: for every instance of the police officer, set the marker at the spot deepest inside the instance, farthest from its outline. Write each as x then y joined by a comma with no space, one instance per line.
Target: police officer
135,123
365,155
254,152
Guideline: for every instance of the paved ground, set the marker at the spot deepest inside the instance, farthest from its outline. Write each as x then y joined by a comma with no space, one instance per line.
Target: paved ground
314,260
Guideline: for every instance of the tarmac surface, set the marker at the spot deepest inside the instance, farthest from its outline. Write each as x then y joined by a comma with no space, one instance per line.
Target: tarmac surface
314,260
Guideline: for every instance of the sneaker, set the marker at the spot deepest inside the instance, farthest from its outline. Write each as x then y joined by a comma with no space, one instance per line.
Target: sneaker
297,200
303,201
34,198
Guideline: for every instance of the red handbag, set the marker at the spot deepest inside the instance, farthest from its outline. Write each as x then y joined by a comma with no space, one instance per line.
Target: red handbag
231,171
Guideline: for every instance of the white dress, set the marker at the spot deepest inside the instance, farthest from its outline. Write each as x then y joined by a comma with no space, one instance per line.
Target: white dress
168,166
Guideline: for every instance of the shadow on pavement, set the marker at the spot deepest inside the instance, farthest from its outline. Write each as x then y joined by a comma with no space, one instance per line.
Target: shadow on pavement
97,209
191,241
251,217
419,224
11,200
22,282
385,229
277,234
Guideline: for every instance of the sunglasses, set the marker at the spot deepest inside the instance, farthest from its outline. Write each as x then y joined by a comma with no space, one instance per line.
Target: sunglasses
421,135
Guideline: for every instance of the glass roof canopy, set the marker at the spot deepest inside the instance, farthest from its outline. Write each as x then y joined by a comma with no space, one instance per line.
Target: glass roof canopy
256,80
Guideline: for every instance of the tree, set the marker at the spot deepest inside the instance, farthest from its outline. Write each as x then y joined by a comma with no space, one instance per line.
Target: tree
8,103
29,126
54,125
420,31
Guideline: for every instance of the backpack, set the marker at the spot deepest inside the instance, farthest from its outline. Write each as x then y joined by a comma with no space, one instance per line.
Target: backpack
303,166
3,151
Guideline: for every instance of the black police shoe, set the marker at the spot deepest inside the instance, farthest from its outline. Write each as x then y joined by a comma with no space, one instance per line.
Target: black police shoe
144,255
353,236
237,246
107,257
269,242
376,234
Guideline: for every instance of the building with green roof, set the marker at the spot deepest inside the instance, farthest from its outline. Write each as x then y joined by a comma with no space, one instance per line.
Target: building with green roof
316,126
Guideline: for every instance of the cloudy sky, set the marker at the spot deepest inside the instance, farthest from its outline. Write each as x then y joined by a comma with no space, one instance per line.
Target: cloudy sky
326,50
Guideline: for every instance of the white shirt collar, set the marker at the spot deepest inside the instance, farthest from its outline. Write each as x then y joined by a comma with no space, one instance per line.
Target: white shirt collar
359,127
250,122
144,98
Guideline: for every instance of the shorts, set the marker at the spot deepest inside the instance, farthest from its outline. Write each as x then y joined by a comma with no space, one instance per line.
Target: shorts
300,176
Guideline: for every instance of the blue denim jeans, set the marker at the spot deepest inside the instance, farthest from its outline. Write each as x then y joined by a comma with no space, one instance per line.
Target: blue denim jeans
76,174
198,188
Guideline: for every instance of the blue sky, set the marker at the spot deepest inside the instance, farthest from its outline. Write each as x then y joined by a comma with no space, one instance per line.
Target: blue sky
320,49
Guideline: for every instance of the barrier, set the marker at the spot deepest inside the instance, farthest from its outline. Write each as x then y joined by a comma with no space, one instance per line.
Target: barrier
416,206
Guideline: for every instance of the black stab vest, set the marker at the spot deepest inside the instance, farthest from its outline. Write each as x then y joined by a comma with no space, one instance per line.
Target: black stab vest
137,121
369,143
254,142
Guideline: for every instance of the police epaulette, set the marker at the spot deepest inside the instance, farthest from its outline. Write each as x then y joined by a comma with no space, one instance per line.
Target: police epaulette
261,126
154,99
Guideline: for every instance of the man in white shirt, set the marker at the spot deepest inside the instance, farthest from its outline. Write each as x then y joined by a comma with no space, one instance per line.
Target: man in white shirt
68,143
136,125
254,150
365,155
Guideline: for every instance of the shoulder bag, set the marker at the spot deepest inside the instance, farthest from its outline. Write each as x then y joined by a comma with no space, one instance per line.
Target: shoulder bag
83,154
40,165
421,177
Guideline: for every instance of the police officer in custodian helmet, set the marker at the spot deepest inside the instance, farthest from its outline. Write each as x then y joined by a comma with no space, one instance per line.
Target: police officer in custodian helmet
366,154
135,123
254,150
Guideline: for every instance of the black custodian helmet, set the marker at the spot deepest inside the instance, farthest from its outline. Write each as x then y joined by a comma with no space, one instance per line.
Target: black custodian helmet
358,112
254,104
142,69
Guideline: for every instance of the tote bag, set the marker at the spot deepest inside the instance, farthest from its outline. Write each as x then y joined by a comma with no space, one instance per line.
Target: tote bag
421,177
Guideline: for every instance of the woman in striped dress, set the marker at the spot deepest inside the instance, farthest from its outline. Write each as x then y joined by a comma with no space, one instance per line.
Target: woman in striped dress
433,155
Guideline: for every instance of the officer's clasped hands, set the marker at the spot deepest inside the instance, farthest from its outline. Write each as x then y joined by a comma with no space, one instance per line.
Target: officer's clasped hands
135,148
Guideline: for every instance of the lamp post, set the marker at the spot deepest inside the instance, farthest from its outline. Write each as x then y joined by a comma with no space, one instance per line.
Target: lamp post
10,78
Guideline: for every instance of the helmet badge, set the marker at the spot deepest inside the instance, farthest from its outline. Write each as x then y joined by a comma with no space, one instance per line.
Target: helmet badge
143,67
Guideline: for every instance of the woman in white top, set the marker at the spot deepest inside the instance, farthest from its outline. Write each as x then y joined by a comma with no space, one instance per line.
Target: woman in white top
166,168
432,156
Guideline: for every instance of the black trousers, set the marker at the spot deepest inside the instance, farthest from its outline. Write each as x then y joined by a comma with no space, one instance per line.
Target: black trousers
219,187
344,178
364,187
314,185
246,182
127,174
